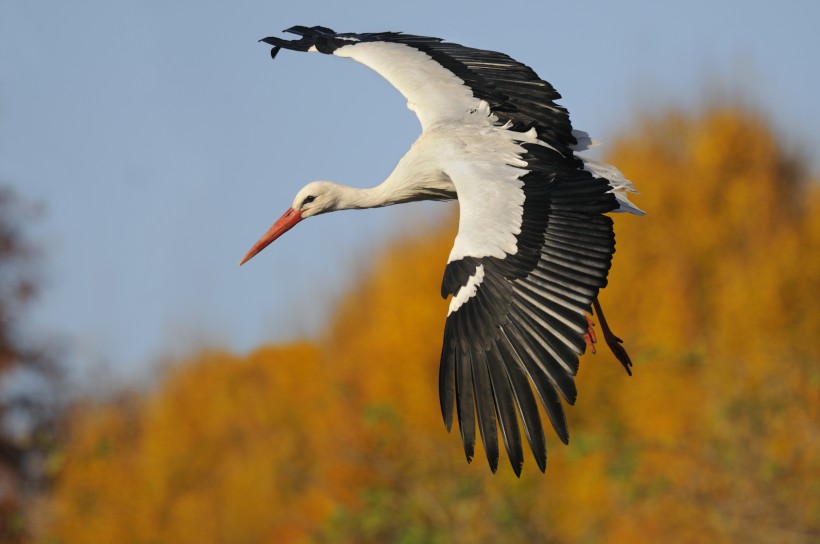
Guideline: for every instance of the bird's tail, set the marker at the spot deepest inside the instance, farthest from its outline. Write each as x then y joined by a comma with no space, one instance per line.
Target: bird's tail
620,185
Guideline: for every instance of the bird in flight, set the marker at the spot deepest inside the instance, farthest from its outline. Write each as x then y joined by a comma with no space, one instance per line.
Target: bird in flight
534,245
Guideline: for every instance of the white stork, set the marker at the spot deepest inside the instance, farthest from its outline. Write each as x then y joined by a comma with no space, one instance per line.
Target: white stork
533,246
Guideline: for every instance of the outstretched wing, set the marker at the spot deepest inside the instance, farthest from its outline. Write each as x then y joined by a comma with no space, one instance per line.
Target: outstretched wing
445,81
520,319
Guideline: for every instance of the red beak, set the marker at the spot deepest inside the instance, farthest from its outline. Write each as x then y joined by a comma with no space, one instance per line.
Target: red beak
282,225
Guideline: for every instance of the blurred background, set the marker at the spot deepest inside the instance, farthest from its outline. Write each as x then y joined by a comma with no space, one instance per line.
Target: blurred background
152,392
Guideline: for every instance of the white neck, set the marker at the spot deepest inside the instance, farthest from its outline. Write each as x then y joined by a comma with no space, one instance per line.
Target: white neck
405,184
417,176
384,194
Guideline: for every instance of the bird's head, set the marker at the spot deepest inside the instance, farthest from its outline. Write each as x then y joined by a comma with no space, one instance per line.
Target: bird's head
314,198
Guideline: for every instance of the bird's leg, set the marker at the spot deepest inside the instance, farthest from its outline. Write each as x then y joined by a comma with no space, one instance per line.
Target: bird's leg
612,341
590,335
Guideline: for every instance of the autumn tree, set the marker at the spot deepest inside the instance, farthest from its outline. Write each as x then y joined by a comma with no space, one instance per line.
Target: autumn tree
714,438
719,294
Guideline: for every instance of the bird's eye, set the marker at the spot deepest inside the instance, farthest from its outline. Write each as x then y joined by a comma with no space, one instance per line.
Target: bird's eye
308,200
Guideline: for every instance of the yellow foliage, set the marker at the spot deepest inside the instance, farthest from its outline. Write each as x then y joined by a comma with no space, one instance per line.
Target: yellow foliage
222,453
714,439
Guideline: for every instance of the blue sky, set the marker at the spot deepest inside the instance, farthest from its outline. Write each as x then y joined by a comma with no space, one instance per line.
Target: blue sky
162,141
